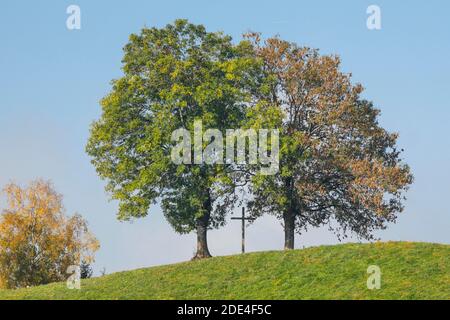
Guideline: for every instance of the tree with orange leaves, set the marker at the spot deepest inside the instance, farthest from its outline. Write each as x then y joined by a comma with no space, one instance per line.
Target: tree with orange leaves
38,242
338,166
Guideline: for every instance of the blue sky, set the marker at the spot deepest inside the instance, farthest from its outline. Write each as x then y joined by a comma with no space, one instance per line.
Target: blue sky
51,80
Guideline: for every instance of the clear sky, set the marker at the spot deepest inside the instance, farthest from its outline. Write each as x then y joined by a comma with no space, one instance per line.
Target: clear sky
51,80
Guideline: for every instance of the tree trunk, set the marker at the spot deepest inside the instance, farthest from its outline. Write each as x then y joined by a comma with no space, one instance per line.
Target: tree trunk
202,241
289,230
202,231
289,216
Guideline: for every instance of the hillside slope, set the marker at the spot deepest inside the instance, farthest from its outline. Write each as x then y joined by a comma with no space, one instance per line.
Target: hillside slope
409,271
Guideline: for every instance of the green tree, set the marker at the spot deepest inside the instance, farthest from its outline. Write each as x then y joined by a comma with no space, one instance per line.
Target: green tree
172,77
337,165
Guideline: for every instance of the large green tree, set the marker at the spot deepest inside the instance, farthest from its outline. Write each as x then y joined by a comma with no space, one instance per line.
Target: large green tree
338,166
173,76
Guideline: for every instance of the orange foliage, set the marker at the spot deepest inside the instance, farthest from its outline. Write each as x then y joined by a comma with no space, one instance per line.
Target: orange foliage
38,242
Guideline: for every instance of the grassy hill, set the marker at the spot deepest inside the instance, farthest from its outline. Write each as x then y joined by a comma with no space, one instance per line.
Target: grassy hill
409,271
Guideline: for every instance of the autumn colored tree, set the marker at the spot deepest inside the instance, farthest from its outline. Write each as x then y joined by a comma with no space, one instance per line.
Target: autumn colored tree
338,166
38,242
173,76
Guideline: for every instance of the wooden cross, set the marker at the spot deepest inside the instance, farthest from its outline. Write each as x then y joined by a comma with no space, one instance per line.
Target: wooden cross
243,218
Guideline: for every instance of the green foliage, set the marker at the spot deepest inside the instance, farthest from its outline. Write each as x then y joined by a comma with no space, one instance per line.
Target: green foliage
172,77
409,271
338,166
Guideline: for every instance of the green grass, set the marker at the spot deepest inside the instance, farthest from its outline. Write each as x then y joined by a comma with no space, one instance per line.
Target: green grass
409,271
